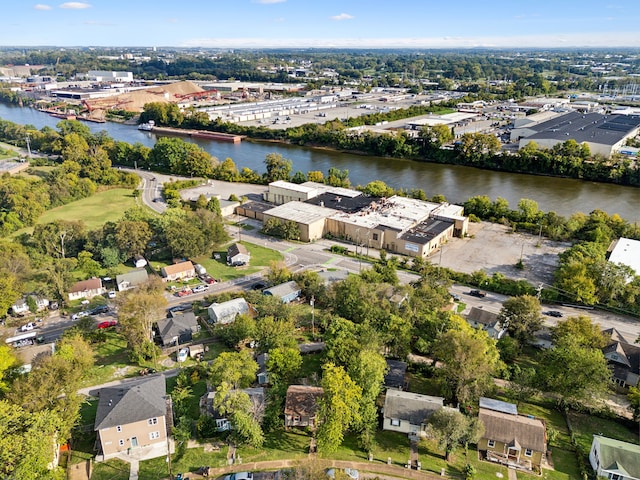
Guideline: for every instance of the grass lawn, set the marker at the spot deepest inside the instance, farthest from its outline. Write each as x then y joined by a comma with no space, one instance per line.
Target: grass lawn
190,461
311,363
585,426
197,390
279,444
423,385
387,444
92,210
218,269
111,470
111,355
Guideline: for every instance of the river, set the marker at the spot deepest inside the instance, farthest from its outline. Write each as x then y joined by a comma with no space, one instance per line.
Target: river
457,184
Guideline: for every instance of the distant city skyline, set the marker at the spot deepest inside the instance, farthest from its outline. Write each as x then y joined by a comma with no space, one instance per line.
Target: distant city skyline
322,24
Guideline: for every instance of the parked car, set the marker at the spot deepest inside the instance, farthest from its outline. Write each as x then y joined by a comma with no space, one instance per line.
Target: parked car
100,309
200,288
54,306
478,293
554,313
182,354
184,292
455,297
28,327
107,324
206,278
349,472
239,476
84,313
111,294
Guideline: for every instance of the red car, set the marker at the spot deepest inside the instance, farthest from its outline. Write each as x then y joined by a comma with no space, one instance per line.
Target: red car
107,324
185,292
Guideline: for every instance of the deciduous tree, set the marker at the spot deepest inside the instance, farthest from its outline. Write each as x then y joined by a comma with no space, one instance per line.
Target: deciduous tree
238,369
522,316
452,429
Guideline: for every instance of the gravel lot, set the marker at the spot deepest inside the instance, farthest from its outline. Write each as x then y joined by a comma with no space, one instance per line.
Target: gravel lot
492,248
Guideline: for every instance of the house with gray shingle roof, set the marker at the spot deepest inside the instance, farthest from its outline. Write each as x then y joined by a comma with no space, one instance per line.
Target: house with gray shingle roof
131,279
287,292
226,312
611,458
407,412
178,329
131,416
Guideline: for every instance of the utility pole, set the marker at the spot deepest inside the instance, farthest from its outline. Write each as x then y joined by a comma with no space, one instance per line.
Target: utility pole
312,302
28,140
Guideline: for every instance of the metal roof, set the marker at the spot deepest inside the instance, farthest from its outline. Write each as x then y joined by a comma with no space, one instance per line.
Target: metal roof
300,212
498,405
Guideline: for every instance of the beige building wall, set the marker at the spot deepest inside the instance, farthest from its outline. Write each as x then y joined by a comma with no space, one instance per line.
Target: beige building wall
280,195
308,232
146,432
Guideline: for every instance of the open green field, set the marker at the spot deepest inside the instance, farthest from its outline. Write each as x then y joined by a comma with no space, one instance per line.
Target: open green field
586,426
95,211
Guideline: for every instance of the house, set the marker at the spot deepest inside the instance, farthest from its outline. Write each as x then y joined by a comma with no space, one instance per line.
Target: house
177,330
407,412
139,261
514,440
237,254
301,406
542,338
87,289
287,292
21,307
226,312
262,375
487,321
258,404
178,271
614,459
395,376
131,279
624,358
132,416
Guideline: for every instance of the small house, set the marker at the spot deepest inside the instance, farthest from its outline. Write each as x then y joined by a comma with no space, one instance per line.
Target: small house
262,375
178,271
177,330
624,359
237,255
407,412
226,312
139,261
87,289
256,396
488,321
21,307
287,292
396,375
517,441
131,279
133,415
301,406
614,459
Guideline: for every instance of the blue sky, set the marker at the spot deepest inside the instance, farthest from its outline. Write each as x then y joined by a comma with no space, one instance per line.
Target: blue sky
322,23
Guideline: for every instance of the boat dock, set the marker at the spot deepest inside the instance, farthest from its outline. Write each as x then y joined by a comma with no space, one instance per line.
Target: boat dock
224,137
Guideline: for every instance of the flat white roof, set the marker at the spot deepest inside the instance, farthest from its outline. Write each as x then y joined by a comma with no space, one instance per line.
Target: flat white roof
295,187
305,213
627,252
445,119
341,191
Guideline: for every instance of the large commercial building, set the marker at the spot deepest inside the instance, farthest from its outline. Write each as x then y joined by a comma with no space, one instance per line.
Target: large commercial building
397,224
604,134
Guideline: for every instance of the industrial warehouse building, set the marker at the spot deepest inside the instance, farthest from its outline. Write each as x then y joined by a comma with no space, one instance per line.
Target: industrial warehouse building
397,224
604,134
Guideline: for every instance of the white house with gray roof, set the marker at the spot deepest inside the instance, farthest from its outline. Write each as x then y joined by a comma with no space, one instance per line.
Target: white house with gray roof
614,459
407,412
133,416
226,312
131,279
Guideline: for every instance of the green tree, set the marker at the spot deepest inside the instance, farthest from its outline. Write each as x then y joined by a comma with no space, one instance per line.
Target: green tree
452,429
470,359
87,265
274,333
574,372
137,310
7,362
580,330
238,369
9,291
368,371
338,409
243,328
377,188
437,135
283,365
278,168
132,237
522,316
634,399
278,273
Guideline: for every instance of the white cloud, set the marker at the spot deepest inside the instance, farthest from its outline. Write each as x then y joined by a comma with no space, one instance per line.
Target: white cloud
41,6
75,5
342,16
268,2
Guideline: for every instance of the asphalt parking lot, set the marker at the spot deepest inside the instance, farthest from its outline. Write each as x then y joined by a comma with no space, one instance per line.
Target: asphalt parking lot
492,248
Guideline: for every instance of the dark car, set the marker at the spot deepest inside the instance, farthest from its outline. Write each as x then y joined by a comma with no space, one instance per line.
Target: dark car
478,293
554,313
100,309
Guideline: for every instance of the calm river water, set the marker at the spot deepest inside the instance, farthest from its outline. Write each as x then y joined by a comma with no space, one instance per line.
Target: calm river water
457,184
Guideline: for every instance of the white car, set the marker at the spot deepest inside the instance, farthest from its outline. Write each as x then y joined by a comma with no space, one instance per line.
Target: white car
182,354
240,476
111,294
28,327
351,473
200,288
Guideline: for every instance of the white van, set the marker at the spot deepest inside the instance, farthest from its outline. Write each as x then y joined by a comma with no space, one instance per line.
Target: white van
182,354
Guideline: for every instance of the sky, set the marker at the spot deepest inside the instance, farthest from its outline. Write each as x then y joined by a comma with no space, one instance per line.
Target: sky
322,23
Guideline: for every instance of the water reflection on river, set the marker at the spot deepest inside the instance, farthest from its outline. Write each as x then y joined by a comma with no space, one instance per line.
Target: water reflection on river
564,196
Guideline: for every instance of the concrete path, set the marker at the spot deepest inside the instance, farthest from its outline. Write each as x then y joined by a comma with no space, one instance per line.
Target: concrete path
511,474
133,470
